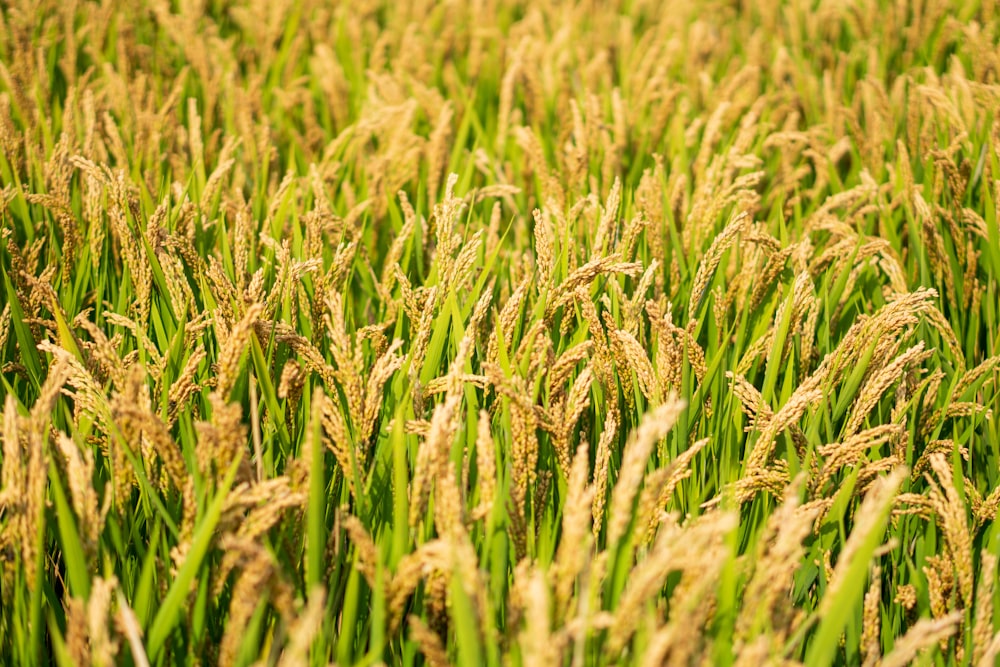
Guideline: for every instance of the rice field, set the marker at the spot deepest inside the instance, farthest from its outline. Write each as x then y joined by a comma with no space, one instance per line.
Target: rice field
493,332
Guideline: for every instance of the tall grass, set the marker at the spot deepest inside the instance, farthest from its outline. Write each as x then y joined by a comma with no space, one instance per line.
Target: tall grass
499,332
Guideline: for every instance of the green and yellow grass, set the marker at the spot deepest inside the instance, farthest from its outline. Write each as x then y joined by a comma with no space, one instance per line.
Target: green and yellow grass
499,332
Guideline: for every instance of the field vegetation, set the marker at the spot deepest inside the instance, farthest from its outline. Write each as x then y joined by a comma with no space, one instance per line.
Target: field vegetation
496,332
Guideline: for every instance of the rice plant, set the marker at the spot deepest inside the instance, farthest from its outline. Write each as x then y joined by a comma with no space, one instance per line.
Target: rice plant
499,332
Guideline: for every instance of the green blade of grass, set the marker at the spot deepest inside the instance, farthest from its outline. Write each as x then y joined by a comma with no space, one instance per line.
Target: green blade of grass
172,606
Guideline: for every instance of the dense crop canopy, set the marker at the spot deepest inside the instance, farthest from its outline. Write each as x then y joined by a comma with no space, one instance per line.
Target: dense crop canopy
495,332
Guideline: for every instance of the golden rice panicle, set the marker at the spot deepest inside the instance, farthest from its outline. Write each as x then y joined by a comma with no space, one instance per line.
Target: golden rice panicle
635,359
740,224
946,447
577,526
621,365
345,355
660,486
103,357
877,384
128,625
602,360
837,456
410,571
951,512
449,504
559,373
436,600
906,596
677,548
222,440
684,635
281,497
538,645
602,469
581,277
382,371
871,624
507,320
654,426
134,256
429,642
12,493
444,219
781,553
973,375
253,578
940,573
878,498
80,471
568,411
312,357
649,512
485,467
421,340
545,249
609,220
421,481
633,307
335,436
103,647
25,470
76,631
937,320
184,387
772,479
132,410
805,396
752,402
437,148
982,633
390,264
924,634
524,463
367,552
542,498
6,324
10,470
304,630
434,464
